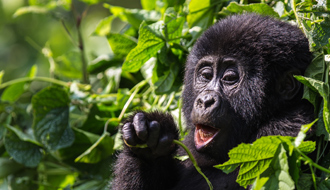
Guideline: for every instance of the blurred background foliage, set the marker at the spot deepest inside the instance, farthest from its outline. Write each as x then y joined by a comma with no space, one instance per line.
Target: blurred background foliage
72,70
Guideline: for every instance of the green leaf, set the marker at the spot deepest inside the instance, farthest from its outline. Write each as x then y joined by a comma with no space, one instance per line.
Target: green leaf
260,8
318,34
200,14
13,92
121,44
33,71
30,9
256,158
323,89
277,176
21,148
104,26
51,118
134,16
148,45
173,26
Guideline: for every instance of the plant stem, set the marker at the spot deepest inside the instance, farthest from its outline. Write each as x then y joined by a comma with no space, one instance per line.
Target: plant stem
310,161
81,47
136,90
293,5
28,79
191,157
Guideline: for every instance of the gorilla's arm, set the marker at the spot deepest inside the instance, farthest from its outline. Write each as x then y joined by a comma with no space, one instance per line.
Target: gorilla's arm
152,167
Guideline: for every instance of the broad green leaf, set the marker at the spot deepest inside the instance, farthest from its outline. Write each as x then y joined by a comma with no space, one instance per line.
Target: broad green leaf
260,8
148,45
8,166
255,158
121,44
51,118
318,34
13,92
173,26
103,62
104,26
134,16
323,89
200,13
277,176
30,9
21,148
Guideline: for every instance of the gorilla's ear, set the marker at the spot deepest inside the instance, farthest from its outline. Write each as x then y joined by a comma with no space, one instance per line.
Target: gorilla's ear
288,87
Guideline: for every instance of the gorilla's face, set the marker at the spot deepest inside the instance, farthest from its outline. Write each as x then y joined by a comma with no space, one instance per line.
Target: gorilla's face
216,80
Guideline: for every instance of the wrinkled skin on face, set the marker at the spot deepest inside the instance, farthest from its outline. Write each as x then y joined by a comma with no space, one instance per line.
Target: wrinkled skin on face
238,86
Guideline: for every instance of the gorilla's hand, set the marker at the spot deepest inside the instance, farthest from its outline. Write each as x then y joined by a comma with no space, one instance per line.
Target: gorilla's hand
150,135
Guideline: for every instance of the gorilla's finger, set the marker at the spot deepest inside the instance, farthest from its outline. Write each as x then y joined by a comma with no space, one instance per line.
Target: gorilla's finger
154,129
140,126
165,145
129,134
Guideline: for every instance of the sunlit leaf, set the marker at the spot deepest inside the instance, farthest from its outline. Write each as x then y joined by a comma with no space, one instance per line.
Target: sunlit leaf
277,176
200,14
121,44
104,26
148,45
254,159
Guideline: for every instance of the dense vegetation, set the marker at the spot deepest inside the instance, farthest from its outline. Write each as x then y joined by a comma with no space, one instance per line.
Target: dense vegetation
59,130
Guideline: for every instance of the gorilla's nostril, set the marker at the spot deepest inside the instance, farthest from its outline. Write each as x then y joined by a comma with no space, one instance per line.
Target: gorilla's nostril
209,102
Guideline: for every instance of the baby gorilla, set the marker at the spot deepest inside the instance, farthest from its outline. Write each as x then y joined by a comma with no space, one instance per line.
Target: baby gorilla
239,86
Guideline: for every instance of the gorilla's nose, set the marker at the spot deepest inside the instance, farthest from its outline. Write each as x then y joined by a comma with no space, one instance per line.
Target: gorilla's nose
207,100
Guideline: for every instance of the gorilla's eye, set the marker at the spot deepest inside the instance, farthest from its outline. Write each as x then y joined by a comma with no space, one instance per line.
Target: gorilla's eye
230,77
206,73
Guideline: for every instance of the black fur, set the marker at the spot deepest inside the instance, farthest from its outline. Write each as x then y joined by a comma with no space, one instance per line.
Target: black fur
265,52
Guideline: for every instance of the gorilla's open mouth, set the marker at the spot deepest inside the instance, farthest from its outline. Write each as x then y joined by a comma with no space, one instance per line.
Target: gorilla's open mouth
204,135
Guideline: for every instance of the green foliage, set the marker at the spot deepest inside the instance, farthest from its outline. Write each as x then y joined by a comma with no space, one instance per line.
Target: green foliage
59,132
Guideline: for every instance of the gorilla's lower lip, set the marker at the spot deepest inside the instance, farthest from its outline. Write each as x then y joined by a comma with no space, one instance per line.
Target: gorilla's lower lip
204,135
